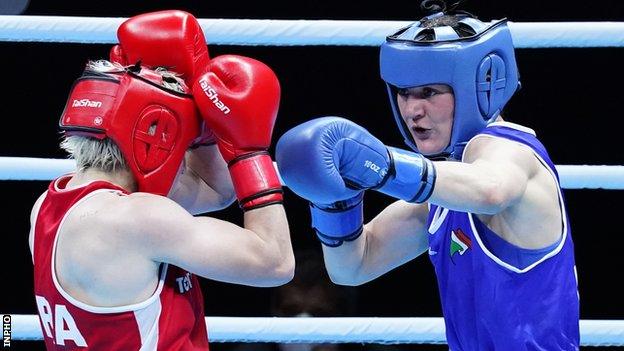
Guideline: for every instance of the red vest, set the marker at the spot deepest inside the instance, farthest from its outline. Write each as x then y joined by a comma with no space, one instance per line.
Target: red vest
171,319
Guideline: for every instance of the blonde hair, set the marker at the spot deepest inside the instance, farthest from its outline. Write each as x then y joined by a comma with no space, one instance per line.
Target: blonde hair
89,152
170,80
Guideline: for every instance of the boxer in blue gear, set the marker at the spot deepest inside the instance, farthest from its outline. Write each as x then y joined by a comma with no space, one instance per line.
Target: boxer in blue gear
479,194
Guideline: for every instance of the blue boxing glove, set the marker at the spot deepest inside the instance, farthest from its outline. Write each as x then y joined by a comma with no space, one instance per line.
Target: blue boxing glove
330,160
306,167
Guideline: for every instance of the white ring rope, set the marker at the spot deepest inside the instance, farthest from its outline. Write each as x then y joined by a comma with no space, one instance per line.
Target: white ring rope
423,330
572,176
300,32
28,168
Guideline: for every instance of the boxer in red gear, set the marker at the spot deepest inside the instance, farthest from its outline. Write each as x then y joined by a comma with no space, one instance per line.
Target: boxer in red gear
239,98
111,260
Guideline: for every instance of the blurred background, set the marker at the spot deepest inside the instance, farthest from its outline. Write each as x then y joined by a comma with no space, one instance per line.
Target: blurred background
571,97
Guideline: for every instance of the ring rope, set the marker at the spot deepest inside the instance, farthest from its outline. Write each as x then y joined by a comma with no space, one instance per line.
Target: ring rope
102,30
420,330
572,176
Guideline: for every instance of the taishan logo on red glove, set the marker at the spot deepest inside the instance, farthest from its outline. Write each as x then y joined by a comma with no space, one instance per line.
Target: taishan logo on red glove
86,103
213,96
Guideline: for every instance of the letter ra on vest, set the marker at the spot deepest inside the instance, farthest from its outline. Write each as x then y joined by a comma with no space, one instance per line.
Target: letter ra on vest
58,325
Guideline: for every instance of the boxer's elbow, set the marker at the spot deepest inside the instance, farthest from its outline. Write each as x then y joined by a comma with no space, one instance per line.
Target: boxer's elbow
345,275
347,280
284,272
277,271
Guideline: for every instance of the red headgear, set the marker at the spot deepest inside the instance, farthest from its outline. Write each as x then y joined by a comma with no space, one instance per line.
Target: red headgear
152,124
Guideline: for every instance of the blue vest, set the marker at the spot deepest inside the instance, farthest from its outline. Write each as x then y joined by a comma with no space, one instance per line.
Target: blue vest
490,304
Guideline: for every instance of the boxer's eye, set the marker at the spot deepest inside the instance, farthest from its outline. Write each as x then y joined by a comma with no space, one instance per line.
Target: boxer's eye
403,92
428,92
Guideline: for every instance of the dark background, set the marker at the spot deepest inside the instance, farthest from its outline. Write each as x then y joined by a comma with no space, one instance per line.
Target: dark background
571,97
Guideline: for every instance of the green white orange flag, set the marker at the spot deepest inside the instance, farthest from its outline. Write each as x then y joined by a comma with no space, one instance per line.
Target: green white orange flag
459,242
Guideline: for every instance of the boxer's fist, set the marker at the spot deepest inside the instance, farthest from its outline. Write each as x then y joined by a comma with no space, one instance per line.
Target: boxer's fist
309,157
238,97
330,159
172,39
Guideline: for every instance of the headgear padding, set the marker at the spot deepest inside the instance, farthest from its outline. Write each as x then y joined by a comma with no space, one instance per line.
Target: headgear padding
152,124
480,68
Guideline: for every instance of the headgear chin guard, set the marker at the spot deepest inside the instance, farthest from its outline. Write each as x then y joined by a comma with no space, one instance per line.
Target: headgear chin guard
480,68
152,124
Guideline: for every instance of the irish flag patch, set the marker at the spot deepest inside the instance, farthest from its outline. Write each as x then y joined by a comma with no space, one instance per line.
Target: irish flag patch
460,242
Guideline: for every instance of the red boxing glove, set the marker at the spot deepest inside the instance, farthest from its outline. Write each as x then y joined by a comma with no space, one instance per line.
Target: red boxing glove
172,39
238,98
117,55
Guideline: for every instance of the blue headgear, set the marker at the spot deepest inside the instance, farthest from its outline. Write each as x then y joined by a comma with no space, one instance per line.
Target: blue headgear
480,68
